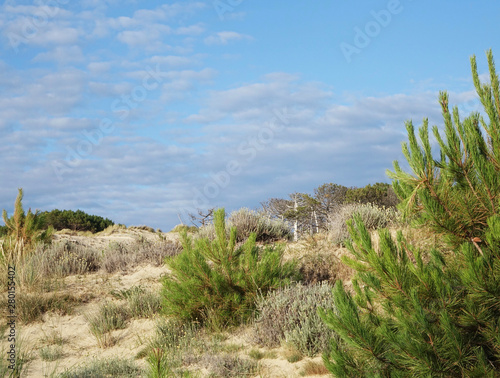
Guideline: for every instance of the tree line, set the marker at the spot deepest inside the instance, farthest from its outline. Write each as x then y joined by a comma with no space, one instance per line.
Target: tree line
310,213
68,219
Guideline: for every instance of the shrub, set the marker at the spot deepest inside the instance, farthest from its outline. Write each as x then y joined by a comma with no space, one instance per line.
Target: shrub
229,365
290,315
247,222
66,258
435,315
316,268
216,281
374,217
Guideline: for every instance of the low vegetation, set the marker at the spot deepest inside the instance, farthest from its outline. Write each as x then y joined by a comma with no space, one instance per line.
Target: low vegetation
290,316
414,293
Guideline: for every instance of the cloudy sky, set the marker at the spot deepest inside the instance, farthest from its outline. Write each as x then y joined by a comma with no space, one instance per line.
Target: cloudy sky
142,111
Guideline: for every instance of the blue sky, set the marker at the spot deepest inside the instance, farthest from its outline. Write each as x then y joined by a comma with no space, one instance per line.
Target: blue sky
143,111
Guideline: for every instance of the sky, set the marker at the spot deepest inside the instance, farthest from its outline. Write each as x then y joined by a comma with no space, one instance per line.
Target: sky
144,111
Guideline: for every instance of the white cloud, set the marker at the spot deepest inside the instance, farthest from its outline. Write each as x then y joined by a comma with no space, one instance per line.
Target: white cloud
61,55
224,37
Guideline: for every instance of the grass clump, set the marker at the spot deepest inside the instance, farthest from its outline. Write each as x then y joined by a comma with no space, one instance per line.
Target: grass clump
31,307
24,357
289,315
217,283
116,367
109,317
50,353
175,345
314,368
143,303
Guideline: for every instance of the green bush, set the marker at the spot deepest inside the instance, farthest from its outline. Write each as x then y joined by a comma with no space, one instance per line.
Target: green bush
217,282
247,222
291,315
431,314
373,216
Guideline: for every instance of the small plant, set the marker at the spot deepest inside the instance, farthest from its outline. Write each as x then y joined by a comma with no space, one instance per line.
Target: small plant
217,282
314,368
115,367
158,364
292,354
50,353
256,354
53,338
289,315
174,345
143,304
229,365
108,318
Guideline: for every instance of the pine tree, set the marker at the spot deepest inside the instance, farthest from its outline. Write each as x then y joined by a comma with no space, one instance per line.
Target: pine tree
430,313
217,282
